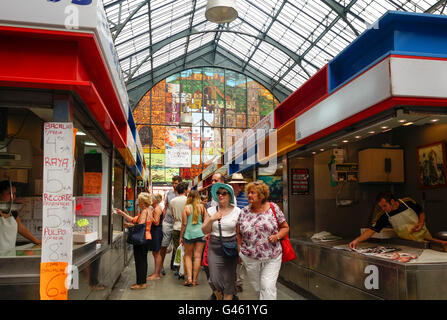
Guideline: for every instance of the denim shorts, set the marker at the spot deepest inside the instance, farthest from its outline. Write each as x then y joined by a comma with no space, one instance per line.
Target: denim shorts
192,241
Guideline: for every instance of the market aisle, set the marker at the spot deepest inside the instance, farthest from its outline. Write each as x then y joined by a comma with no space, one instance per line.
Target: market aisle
171,288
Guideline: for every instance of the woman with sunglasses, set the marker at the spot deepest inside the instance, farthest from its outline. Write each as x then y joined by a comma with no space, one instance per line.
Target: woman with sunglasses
222,269
260,227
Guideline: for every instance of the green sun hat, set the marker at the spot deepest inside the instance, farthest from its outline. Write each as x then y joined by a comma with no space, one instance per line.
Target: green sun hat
218,186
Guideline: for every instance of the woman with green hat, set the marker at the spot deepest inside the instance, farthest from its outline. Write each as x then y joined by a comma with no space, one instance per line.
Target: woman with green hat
220,222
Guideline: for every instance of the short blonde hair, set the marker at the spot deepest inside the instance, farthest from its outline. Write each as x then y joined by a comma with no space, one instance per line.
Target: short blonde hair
146,198
157,198
261,189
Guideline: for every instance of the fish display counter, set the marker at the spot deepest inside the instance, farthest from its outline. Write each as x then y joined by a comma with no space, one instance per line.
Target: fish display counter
377,270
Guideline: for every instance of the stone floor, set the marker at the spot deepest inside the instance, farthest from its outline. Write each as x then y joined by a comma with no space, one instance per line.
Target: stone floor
170,287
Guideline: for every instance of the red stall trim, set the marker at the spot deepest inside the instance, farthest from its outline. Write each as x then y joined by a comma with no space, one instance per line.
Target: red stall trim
63,60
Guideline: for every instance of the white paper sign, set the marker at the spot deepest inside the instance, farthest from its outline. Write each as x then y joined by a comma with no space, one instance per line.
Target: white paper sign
57,197
178,158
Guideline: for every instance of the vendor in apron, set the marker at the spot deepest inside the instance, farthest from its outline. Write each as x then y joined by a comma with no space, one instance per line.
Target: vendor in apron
405,216
10,223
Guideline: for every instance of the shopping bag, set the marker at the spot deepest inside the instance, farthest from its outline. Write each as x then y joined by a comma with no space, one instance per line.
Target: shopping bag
181,270
178,255
287,251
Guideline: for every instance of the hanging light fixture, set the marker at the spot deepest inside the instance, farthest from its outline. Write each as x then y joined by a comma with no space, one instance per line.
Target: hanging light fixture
221,11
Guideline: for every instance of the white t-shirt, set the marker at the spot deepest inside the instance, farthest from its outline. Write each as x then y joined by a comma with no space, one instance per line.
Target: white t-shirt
227,223
177,204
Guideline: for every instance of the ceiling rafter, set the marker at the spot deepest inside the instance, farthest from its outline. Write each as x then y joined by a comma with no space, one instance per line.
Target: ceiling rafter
122,25
314,44
216,40
264,34
189,30
436,6
342,12
185,33
131,74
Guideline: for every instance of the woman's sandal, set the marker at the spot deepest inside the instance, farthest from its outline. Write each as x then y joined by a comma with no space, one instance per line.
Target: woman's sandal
138,286
195,283
188,283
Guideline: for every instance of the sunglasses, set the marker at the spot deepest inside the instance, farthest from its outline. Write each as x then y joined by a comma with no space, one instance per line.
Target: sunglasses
222,193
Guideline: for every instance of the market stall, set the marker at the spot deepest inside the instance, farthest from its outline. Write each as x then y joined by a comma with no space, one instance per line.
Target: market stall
61,90
382,125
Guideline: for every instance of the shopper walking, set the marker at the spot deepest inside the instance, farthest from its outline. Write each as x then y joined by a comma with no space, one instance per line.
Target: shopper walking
157,236
177,205
259,236
216,178
140,251
238,183
168,222
221,221
192,237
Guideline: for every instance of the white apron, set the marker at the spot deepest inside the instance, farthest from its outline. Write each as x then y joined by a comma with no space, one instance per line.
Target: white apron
8,233
404,221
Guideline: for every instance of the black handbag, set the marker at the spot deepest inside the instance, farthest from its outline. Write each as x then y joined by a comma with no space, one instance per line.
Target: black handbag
136,234
229,248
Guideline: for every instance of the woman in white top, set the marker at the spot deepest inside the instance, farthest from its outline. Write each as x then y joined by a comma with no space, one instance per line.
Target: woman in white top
10,223
222,269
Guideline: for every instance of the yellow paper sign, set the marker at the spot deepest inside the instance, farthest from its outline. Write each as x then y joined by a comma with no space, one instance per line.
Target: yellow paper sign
53,281
82,223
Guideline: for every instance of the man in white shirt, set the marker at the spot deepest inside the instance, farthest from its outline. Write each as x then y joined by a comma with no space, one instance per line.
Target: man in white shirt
168,222
177,204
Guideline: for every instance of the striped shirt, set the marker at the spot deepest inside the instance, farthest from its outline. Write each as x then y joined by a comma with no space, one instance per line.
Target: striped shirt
242,200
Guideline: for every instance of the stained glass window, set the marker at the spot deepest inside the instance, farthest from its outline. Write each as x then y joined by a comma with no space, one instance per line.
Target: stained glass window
217,105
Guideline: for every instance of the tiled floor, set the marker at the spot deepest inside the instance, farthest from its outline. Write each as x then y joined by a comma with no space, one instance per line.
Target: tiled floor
170,287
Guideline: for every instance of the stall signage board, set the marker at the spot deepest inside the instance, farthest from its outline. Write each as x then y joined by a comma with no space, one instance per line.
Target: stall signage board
300,181
57,209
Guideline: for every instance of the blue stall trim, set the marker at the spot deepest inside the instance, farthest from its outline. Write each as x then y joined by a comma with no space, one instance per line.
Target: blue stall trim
132,125
401,33
139,164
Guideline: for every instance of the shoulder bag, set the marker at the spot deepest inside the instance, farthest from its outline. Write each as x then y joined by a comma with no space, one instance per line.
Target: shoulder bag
229,248
287,251
138,234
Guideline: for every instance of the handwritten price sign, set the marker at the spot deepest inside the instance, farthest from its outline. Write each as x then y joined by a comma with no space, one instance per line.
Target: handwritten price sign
57,208
53,281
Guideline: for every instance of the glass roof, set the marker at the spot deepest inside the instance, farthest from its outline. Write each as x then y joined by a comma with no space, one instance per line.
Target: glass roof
285,41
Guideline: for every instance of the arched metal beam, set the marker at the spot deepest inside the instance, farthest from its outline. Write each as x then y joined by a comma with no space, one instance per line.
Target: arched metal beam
201,57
